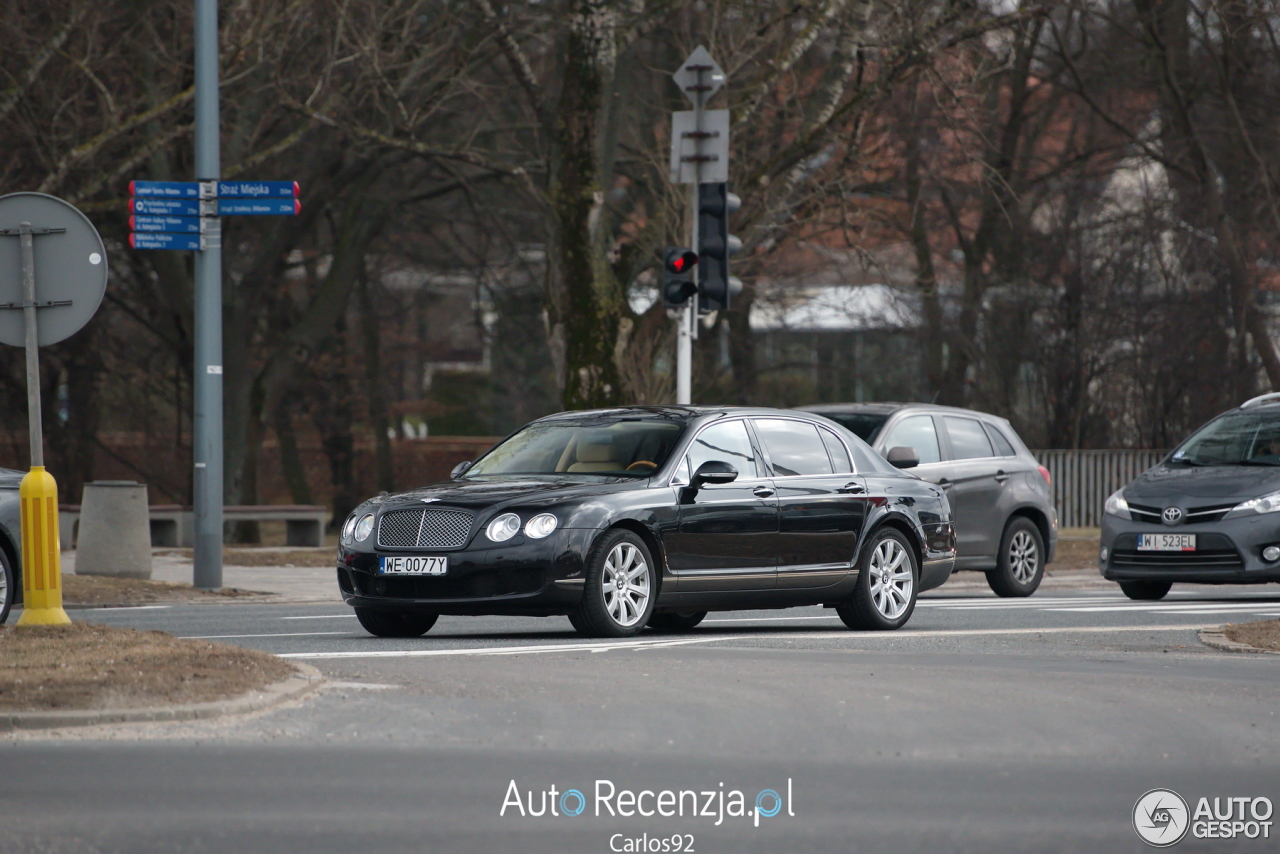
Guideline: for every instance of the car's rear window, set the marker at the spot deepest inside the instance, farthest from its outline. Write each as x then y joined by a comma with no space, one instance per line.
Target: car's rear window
863,425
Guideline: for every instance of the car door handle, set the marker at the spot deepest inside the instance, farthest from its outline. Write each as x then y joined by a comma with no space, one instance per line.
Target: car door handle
851,488
762,491
1001,477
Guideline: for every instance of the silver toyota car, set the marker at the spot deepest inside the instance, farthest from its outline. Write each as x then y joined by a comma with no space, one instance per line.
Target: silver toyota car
1209,513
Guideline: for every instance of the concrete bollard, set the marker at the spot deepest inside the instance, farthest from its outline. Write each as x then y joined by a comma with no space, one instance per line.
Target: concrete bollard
115,530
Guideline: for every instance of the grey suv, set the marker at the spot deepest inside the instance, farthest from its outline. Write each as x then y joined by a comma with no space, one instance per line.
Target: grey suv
1005,521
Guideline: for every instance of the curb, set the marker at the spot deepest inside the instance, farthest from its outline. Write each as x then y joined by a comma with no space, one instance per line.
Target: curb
1217,638
306,680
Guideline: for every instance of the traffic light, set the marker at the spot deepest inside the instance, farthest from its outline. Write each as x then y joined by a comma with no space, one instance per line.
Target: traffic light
677,276
715,245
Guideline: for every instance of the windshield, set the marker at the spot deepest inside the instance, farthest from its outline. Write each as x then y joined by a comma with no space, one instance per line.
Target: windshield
1237,438
864,426
635,448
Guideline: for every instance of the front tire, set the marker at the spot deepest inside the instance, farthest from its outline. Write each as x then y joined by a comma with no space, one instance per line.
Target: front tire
1020,564
676,621
885,595
1145,591
8,587
395,624
621,587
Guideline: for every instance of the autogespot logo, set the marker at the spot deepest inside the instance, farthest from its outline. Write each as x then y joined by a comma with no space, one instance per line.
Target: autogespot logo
1160,818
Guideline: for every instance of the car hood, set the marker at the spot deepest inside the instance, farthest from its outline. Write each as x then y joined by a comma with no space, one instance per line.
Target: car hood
479,494
1216,484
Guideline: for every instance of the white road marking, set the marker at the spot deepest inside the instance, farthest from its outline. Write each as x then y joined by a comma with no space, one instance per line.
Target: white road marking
269,635
1172,608
350,616
646,644
358,686
771,619
128,608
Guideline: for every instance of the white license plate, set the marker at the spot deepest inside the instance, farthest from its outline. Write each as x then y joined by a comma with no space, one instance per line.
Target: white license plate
413,565
1166,542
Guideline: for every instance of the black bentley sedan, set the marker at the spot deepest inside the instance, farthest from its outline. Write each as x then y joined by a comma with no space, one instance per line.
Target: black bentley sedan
653,516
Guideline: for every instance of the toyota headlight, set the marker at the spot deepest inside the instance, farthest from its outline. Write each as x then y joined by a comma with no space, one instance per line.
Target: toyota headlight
349,528
503,528
540,526
364,527
1265,504
1117,506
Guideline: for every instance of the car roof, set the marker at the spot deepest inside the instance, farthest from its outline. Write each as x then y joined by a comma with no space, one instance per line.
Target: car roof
676,412
887,408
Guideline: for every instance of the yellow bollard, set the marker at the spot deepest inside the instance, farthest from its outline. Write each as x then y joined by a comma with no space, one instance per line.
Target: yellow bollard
41,557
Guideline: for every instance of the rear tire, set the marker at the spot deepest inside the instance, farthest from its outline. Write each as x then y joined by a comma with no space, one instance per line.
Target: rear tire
1145,591
395,624
676,621
888,578
1020,563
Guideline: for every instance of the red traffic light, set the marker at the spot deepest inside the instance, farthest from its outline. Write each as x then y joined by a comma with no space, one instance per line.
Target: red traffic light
680,262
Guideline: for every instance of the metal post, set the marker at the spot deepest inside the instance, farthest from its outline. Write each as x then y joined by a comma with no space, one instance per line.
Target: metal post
34,420
207,428
687,331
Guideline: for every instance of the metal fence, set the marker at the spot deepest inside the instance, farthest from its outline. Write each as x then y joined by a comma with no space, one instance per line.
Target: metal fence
1082,480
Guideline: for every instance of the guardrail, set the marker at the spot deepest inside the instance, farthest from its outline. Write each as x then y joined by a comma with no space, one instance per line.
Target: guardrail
1082,480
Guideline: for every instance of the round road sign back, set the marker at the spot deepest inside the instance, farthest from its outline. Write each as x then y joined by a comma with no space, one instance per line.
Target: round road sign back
71,267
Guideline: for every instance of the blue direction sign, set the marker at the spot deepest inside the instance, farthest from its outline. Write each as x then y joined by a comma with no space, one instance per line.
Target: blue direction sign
175,224
258,190
259,207
165,189
165,240
172,207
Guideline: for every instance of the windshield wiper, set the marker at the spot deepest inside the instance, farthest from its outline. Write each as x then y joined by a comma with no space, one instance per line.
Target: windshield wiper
1187,462
1256,462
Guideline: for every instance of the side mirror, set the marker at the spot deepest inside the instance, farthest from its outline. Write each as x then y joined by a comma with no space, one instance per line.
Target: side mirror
714,471
460,469
903,458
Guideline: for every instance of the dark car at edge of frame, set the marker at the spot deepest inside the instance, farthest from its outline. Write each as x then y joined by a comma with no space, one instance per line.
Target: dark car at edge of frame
1208,513
652,516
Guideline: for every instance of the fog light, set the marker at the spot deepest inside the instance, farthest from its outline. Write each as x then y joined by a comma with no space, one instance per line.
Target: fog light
1271,553
1102,553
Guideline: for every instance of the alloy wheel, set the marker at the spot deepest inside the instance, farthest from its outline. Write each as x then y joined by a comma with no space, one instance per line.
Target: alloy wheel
1023,557
625,584
891,579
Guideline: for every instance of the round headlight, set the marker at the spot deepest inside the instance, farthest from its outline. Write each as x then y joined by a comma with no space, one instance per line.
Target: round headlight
364,527
503,528
540,526
349,528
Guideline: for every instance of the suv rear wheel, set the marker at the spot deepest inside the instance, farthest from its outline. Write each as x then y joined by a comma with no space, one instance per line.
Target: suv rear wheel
675,621
1020,563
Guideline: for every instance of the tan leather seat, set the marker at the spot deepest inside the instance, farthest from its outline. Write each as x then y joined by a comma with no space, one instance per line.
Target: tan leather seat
594,456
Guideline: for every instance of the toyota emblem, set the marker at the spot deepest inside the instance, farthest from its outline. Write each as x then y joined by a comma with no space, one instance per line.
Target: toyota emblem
1172,515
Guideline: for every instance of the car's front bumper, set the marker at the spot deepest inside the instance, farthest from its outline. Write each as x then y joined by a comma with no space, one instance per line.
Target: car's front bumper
533,577
1227,552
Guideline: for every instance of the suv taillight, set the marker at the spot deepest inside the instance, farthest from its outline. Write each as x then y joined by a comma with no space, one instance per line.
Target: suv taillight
1044,473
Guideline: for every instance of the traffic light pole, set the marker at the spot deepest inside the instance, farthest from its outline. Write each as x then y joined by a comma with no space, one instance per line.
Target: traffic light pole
206,448
687,328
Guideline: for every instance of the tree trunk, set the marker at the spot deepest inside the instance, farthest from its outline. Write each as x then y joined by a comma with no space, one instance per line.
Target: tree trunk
295,473
374,387
585,301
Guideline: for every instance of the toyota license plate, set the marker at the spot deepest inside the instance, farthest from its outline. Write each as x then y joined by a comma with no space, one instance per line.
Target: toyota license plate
412,565
1166,542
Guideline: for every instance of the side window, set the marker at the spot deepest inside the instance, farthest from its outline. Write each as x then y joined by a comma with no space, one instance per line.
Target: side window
728,442
794,447
915,432
968,439
835,448
1003,448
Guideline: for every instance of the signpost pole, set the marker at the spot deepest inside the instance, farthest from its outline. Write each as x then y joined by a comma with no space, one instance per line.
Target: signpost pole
38,492
207,427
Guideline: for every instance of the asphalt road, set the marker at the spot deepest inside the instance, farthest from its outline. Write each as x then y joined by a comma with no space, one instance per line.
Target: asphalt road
986,725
